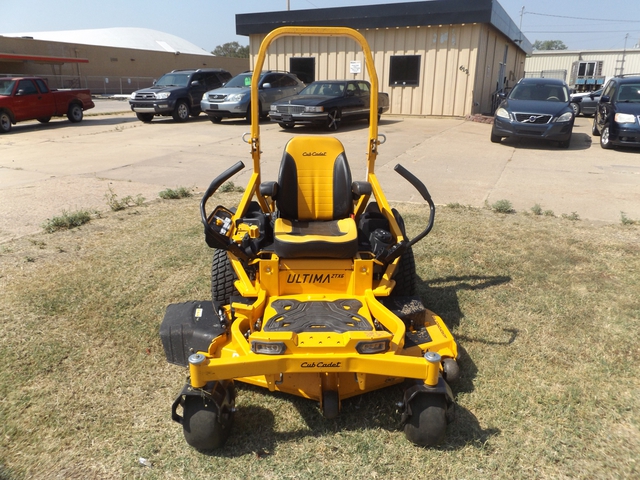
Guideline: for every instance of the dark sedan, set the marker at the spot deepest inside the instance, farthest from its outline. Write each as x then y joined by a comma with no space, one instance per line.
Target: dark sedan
327,103
535,108
585,103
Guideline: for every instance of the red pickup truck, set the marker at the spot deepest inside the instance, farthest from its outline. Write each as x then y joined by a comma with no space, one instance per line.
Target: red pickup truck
29,98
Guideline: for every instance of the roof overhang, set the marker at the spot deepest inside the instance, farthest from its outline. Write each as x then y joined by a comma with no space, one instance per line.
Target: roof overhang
12,57
395,15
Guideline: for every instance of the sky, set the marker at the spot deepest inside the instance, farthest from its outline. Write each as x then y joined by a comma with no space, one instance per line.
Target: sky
580,24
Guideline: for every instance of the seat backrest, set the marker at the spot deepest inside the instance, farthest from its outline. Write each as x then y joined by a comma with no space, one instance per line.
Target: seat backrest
314,180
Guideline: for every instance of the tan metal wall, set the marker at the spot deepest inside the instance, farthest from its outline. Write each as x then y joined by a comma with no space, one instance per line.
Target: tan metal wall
454,62
563,60
107,61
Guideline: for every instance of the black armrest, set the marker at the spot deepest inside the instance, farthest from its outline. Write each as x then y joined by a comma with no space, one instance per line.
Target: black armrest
269,189
359,189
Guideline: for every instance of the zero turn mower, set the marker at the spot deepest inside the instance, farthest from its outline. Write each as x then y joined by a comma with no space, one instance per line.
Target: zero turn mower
313,285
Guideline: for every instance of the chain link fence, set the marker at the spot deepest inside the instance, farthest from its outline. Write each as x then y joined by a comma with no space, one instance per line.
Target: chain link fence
107,86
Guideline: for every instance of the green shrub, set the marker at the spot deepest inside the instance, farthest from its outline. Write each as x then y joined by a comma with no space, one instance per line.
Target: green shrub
66,221
180,192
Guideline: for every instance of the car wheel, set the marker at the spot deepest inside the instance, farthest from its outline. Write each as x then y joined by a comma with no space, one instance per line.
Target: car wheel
75,113
5,122
44,119
594,129
495,138
333,119
145,117
605,141
215,119
286,126
181,112
195,114
576,108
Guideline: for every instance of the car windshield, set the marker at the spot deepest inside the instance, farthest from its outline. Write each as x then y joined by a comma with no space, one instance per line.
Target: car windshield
6,86
629,93
324,88
173,80
540,91
242,80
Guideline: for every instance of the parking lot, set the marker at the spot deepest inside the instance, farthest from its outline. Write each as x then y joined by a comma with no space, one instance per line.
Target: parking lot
45,169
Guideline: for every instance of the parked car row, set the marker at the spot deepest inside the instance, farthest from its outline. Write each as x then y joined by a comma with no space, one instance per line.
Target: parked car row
543,108
283,97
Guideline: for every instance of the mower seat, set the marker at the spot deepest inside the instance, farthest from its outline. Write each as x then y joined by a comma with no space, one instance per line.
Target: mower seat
315,201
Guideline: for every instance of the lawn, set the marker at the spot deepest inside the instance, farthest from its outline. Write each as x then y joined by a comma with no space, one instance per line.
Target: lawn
546,312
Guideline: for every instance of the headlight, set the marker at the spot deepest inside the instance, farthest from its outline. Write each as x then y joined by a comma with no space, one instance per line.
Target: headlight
236,97
162,95
625,118
133,96
273,108
565,117
313,109
502,113
377,346
268,348
204,96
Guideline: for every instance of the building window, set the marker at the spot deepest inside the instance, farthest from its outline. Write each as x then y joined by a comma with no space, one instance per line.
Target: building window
404,70
304,68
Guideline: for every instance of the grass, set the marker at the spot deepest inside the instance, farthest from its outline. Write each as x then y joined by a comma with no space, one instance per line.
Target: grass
545,312
502,206
116,204
171,194
66,221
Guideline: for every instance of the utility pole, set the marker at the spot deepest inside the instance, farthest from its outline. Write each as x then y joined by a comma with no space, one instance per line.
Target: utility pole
288,5
624,54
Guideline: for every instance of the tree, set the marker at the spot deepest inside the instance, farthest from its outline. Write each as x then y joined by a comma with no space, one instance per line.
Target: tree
549,45
232,49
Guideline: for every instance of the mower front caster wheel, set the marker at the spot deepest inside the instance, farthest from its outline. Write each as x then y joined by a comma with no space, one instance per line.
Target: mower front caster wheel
428,422
451,370
204,429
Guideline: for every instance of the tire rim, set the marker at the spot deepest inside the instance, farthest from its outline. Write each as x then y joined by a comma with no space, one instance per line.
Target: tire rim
334,120
182,111
605,136
576,109
5,123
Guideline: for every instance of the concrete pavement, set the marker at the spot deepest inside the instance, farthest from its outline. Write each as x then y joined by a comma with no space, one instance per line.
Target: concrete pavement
45,169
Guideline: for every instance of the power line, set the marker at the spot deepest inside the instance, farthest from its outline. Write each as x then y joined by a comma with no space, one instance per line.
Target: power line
578,31
582,18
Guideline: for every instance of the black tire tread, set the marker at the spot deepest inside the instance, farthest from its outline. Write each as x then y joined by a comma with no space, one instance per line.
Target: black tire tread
222,277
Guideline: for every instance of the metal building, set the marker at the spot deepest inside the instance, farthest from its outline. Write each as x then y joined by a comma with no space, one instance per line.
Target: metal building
583,70
105,60
441,58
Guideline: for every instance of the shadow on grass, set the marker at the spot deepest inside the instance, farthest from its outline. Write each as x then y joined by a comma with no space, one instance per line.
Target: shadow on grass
254,429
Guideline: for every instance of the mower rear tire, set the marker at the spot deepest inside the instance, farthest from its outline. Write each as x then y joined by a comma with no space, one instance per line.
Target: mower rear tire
222,278
202,426
428,422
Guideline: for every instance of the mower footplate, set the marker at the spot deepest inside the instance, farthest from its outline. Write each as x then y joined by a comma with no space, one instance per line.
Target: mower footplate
337,316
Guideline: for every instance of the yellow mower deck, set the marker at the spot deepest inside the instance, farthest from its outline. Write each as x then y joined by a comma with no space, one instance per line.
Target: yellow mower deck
313,260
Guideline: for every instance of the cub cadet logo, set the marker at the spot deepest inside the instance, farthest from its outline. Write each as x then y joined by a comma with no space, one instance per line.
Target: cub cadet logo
314,154
312,277
320,365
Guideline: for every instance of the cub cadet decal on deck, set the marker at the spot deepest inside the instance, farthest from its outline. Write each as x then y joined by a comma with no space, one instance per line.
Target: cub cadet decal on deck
320,365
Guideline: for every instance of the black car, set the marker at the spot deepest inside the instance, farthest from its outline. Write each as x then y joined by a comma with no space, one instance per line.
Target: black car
177,93
327,103
618,113
585,103
535,108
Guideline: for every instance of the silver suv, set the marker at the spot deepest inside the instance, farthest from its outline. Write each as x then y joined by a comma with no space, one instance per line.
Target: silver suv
233,99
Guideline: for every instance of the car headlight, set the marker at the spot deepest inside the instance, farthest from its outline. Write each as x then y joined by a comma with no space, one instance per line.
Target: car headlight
133,96
236,97
162,95
502,113
565,117
273,108
314,109
204,96
625,118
